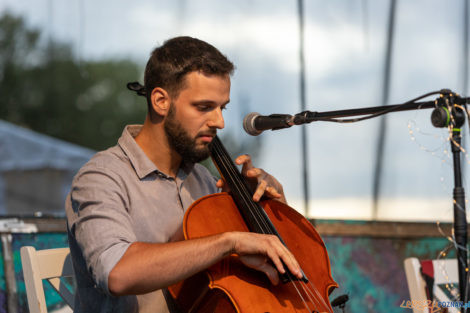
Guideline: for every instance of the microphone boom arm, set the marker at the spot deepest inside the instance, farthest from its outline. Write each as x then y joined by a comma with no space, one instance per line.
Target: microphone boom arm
448,113
370,112
309,116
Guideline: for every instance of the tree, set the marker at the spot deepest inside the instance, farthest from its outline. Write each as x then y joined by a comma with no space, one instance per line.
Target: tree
44,88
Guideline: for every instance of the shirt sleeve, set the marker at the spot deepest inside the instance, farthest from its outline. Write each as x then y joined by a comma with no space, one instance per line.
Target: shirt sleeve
99,220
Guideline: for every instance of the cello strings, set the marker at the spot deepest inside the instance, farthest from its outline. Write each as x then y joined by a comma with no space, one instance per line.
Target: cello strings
315,298
300,295
310,295
254,209
232,172
229,171
318,296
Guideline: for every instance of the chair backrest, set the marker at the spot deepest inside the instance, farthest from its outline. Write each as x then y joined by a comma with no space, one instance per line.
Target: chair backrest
445,273
50,264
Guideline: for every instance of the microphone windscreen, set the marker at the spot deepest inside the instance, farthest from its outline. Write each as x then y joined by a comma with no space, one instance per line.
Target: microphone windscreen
249,124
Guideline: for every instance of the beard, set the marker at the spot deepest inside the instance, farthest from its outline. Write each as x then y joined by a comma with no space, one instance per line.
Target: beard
182,142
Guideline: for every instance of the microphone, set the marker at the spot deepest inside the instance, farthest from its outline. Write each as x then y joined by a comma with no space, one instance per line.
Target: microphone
254,123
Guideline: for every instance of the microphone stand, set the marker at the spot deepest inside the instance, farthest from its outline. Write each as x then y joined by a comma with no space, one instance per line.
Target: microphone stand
447,112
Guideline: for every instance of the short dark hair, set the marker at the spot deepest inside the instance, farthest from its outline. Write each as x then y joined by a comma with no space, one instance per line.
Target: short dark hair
168,64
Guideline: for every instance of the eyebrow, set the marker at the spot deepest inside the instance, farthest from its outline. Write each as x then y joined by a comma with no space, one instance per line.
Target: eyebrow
209,102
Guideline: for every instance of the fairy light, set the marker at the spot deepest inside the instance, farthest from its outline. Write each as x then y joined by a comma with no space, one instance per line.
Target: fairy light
445,156
450,286
414,130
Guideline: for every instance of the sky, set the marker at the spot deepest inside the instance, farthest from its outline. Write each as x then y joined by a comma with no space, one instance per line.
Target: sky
345,55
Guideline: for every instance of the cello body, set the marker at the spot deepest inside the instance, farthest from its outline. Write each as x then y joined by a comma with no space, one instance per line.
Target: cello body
229,286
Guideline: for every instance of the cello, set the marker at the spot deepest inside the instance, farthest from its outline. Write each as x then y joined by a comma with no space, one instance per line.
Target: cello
229,286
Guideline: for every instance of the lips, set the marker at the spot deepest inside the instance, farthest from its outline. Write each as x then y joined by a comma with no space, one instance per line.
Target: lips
207,137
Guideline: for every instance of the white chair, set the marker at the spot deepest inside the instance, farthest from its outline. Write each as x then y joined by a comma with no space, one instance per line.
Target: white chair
50,264
445,274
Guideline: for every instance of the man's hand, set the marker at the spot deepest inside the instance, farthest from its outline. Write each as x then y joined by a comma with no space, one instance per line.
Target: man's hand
146,267
265,253
261,182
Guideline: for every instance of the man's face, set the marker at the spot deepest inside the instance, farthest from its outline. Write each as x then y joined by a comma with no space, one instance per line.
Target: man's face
196,114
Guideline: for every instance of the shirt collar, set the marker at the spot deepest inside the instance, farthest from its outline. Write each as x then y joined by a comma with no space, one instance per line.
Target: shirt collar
139,160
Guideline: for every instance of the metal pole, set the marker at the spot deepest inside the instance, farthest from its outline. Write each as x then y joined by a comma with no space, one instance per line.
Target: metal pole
10,280
465,64
383,121
460,217
303,108
465,49
7,227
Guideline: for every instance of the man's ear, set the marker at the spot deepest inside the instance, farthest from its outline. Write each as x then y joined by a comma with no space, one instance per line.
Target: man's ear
160,101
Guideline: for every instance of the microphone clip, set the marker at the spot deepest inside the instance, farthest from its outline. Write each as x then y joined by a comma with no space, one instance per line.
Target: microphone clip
304,117
448,110
285,118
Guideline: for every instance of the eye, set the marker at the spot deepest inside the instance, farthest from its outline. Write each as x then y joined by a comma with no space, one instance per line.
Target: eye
204,107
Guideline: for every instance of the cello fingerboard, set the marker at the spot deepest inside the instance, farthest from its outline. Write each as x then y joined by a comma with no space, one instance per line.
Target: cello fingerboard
253,214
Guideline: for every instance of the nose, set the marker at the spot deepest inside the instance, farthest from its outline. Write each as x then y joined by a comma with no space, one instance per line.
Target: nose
216,119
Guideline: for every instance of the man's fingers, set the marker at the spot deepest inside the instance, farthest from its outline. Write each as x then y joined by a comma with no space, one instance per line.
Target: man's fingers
292,264
277,262
273,192
271,247
271,272
255,172
244,159
221,184
264,189
259,192
261,182
260,263
283,257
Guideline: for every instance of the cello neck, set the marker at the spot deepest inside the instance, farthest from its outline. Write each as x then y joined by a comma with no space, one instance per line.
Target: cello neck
253,214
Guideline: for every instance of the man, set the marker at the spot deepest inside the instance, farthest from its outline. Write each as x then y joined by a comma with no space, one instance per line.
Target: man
127,203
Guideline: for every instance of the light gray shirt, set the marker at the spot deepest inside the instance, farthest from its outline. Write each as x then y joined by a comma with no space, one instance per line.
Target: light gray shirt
117,198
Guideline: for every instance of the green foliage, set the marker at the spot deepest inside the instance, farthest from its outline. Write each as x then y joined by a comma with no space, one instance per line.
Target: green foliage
44,88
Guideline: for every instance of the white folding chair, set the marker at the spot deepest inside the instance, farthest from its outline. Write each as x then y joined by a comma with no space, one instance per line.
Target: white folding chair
445,274
50,264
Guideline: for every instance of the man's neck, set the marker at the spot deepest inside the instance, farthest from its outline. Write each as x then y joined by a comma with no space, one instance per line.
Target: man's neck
153,141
